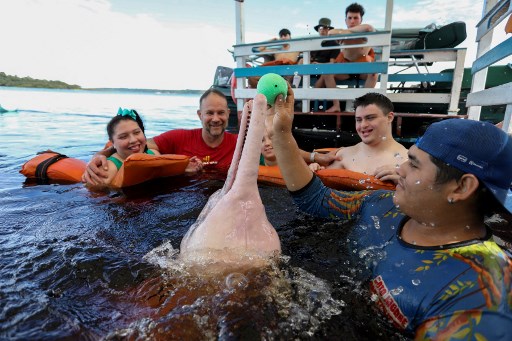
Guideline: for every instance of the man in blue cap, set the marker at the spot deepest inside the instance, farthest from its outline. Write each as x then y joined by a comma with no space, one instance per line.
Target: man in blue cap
429,258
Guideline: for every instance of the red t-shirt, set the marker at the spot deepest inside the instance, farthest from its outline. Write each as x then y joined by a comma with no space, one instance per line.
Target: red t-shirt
190,143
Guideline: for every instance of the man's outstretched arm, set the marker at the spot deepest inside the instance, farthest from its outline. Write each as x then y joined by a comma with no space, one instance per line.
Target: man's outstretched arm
294,169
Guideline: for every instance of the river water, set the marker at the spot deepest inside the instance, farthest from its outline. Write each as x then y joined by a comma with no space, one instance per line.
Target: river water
77,265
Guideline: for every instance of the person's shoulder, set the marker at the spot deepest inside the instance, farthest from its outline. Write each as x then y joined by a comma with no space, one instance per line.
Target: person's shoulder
230,136
179,134
171,132
350,150
189,132
369,28
400,148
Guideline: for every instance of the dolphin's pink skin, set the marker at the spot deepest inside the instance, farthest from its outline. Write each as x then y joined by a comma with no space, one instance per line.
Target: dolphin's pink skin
233,226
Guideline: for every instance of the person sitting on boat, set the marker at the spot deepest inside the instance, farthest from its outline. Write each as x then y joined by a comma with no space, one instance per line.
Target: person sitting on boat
378,153
279,58
353,18
211,144
325,56
425,250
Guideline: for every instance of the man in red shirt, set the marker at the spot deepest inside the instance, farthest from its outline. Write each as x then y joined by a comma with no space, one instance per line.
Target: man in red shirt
211,143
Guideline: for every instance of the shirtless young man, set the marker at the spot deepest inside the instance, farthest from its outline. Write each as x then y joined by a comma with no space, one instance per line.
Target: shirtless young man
378,153
284,57
353,18
280,58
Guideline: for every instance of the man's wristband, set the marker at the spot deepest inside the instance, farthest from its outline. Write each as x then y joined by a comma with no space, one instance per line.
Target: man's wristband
312,157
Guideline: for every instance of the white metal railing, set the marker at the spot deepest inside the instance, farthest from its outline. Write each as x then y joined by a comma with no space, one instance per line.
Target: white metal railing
306,46
494,12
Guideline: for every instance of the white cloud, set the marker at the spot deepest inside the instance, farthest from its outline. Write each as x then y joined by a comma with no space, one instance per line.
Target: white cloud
86,43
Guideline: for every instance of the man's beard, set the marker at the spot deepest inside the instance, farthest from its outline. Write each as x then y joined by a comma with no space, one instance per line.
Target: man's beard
209,130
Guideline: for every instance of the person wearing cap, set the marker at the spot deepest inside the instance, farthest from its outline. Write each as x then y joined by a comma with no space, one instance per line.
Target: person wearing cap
325,56
429,259
353,19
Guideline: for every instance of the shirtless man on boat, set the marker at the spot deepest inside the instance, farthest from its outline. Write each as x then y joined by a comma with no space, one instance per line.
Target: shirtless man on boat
279,58
353,18
378,153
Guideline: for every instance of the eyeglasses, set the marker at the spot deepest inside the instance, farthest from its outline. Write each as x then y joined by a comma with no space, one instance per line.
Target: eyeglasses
323,28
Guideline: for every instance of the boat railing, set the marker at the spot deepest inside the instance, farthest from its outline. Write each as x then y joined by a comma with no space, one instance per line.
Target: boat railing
384,61
494,12
305,46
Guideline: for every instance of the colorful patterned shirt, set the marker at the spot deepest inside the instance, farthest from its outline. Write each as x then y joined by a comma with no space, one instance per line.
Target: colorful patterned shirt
461,290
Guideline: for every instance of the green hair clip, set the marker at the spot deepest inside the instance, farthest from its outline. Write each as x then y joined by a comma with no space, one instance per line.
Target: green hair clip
127,112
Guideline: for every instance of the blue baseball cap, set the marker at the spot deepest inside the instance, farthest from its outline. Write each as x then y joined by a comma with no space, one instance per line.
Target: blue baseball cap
474,147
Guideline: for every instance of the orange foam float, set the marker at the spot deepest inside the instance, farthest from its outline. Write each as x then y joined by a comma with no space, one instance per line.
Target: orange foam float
341,179
136,169
50,165
139,168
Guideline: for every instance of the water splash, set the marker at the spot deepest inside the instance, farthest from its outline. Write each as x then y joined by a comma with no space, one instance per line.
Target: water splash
376,222
236,281
396,291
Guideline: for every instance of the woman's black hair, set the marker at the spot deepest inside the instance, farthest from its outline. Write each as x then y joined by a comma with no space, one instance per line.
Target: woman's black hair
118,118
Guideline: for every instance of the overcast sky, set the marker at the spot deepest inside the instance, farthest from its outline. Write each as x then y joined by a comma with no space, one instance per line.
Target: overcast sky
175,44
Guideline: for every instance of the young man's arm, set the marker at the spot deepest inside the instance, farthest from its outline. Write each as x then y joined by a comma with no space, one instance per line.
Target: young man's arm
291,163
356,29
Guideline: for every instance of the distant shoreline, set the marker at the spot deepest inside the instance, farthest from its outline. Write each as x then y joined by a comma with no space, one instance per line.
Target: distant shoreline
135,90
31,83
188,91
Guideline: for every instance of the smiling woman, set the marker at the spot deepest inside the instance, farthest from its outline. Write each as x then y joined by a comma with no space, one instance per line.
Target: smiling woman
126,133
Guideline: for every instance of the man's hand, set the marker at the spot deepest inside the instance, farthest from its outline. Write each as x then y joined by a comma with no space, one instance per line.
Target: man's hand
194,166
96,171
387,173
280,119
315,166
326,159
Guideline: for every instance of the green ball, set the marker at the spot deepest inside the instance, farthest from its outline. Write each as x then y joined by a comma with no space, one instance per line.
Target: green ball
271,85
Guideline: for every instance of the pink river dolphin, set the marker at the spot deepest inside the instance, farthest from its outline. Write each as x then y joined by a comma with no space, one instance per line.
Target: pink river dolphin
233,228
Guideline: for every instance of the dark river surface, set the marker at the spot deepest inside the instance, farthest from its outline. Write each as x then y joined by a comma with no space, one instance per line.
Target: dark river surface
78,265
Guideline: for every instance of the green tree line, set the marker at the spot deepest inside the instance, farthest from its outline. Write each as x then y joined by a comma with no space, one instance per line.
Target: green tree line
29,82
